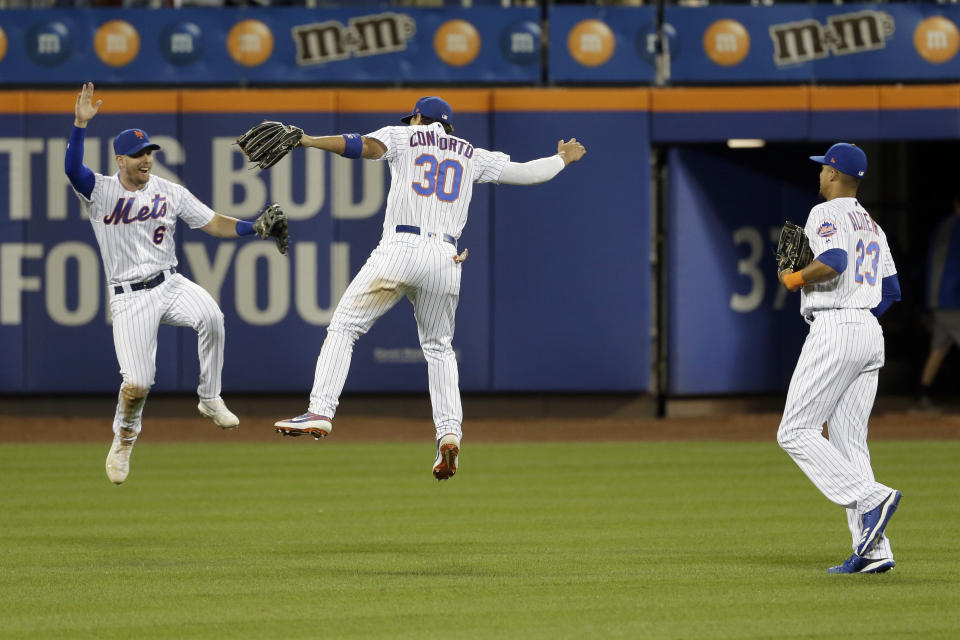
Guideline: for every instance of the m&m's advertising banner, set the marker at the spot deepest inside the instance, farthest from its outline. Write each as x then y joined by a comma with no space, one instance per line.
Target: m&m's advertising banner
270,46
716,44
813,43
784,43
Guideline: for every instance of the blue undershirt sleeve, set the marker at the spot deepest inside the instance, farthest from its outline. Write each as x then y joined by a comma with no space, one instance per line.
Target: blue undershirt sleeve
81,177
836,259
889,295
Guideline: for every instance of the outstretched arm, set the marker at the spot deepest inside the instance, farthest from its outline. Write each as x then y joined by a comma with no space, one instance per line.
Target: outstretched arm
542,169
369,148
81,177
226,227
271,223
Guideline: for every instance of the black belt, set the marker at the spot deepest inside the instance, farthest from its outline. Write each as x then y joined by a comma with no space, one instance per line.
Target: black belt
149,283
409,228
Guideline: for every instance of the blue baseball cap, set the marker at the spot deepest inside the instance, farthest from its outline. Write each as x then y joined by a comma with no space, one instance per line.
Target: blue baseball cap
131,141
432,107
845,158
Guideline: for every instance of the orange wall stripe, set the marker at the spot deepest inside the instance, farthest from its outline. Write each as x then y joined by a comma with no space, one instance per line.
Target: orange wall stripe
12,102
114,101
254,100
920,97
401,101
732,99
571,99
844,98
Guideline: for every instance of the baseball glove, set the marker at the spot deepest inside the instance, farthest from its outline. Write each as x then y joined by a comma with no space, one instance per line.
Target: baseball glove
268,142
793,251
272,223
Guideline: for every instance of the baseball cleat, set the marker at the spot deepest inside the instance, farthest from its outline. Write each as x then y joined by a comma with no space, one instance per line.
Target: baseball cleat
118,460
873,522
216,409
448,454
856,564
307,424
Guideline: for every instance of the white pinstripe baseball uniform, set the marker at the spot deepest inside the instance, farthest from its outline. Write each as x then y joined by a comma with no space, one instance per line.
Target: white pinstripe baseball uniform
135,231
835,380
432,176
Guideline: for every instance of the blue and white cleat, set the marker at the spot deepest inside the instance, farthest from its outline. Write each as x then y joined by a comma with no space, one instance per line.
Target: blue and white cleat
856,564
873,522
307,424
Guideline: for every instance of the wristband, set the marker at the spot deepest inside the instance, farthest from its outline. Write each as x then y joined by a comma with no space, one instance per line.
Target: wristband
244,228
354,145
794,281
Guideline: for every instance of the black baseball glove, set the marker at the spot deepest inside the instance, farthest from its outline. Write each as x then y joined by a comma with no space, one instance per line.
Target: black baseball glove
793,251
268,142
272,223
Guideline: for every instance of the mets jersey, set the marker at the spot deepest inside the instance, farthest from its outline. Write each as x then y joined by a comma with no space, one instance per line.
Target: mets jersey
432,175
843,223
135,228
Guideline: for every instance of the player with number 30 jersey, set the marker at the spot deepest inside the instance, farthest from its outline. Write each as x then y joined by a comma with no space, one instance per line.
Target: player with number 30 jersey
432,175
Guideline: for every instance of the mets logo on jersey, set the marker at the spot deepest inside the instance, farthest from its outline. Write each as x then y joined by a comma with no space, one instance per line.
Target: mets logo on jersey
826,229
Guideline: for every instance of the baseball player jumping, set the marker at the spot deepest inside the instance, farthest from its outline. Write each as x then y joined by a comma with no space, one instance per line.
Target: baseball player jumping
134,214
432,176
850,283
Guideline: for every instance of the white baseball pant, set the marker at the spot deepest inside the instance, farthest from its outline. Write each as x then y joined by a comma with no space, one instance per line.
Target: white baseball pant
422,269
835,382
137,316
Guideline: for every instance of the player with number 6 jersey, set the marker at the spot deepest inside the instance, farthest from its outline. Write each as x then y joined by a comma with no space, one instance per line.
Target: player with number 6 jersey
432,176
849,284
134,215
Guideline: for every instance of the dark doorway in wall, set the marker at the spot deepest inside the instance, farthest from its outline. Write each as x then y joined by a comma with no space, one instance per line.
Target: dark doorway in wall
908,189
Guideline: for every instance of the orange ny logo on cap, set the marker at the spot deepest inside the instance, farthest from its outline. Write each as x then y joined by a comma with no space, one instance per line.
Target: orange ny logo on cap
139,134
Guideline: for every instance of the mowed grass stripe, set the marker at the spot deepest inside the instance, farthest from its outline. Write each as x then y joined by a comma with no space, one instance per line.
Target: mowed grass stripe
614,540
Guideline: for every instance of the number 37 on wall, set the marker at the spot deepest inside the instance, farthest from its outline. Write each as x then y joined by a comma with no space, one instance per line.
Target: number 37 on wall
749,266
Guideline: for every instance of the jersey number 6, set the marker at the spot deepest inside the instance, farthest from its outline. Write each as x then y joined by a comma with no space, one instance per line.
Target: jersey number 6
435,177
872,249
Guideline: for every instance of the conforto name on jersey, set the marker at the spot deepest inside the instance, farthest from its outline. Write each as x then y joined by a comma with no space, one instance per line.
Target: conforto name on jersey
431,139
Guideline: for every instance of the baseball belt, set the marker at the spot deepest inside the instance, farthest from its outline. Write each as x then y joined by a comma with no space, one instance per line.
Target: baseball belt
409,228
149,283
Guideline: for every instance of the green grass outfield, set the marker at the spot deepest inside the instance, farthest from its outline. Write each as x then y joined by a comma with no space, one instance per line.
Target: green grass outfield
600,540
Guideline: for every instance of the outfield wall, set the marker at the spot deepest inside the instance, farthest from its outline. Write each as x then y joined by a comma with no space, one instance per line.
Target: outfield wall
556,294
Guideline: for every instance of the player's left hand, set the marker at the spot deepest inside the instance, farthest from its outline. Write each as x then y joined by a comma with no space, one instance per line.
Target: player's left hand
85,108
462,257
272,223
570,151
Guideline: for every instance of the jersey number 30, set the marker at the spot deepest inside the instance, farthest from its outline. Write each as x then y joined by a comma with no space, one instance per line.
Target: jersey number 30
436,178
872,254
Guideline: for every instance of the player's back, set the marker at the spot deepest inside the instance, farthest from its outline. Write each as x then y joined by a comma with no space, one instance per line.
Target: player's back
843,223
432,176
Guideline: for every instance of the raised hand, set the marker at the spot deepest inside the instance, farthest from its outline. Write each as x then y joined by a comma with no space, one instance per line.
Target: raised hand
570,151
85,108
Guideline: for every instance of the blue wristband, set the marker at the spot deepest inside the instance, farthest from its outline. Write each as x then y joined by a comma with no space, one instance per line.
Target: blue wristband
244,228
354,145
